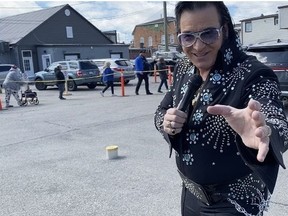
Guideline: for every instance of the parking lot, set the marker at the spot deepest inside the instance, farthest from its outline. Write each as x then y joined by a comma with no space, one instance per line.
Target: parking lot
53,159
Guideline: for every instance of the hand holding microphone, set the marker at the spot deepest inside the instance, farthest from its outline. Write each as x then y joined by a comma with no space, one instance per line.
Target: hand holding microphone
174,119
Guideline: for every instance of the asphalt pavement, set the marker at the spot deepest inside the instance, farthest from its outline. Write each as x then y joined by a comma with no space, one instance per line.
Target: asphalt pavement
53,158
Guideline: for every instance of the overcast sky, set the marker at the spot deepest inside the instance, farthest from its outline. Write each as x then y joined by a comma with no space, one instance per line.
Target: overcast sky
124,15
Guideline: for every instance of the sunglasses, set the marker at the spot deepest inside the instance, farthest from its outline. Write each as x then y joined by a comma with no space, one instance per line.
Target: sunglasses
207,36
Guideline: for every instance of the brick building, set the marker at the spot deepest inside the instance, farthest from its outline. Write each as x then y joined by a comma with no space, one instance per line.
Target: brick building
150,36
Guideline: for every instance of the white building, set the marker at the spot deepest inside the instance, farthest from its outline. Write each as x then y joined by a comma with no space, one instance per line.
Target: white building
265,28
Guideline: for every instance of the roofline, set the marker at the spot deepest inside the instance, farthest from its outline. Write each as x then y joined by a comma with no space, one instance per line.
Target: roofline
284,6
85,45
260,17
89,22
153,22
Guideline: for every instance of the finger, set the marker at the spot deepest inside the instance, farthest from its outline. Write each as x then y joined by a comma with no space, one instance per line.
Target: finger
223,110
263,131
263,149
176,124
174,111
254,105
259,118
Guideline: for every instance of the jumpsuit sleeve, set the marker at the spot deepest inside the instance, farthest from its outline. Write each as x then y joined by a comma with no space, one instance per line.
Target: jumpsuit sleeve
263,86
161,110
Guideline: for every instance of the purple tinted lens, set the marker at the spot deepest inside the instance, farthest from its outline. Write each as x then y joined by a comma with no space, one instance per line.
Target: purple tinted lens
208,36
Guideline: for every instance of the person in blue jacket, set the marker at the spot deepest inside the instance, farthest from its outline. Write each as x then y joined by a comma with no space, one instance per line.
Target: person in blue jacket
142,69
108,78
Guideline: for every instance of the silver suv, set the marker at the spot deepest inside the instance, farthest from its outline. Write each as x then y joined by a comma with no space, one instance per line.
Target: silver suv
275,55
118,65
4,69
77,72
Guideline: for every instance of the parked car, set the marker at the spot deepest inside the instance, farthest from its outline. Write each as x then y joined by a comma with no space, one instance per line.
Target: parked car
78,73
118,65
275,55
170,59
4,69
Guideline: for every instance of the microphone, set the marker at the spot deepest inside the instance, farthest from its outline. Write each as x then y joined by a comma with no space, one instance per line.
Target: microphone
193,86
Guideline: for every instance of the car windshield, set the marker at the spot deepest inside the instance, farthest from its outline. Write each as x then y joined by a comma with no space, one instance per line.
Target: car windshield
123,62
99,63
5,68
84,65
271,56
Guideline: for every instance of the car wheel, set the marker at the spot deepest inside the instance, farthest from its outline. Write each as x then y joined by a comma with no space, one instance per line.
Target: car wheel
126,82
92,85
71,85
39,84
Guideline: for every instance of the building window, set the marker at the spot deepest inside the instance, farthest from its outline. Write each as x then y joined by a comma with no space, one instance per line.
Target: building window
141,42
162,39
69,32
276,20
248,27
150,41
171,39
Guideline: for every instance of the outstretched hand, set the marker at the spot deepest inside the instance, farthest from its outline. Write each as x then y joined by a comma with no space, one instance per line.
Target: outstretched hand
249,123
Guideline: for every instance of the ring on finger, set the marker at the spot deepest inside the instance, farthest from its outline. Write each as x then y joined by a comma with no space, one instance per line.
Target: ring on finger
173,131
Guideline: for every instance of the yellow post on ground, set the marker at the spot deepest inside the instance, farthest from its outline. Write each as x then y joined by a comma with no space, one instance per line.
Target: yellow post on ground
112,152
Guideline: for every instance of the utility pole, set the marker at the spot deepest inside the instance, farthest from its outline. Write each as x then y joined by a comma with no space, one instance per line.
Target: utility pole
165,26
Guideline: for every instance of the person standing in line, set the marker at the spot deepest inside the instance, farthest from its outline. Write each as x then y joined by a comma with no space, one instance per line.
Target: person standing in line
60,81
108,78
142,68
12,84
229,140
162,70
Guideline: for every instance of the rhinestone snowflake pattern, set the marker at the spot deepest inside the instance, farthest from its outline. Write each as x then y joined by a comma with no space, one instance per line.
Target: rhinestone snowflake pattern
217,78
188,157
192,137
228,56
206,97
197,117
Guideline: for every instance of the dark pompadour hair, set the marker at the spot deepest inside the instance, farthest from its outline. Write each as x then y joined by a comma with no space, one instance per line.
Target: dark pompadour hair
223,12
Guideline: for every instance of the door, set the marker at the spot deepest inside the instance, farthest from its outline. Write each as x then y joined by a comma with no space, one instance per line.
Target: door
28,63
46,61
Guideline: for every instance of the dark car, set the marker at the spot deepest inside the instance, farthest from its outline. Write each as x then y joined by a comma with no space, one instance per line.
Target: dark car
78,73
275,55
